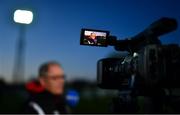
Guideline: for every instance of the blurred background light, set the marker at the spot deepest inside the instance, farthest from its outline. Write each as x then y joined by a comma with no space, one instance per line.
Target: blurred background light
23,16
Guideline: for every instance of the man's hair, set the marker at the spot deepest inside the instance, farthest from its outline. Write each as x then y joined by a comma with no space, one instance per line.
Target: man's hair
93,33
43,69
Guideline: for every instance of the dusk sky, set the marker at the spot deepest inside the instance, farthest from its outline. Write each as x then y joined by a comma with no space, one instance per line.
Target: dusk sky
55,31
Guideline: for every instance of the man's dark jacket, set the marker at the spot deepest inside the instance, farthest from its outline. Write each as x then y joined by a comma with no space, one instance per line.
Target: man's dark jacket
45,103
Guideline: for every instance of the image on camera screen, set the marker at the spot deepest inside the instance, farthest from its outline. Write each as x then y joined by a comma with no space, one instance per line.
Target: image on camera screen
94,37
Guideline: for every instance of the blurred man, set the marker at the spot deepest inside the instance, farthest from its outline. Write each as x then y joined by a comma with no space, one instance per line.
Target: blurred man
91,39
50,100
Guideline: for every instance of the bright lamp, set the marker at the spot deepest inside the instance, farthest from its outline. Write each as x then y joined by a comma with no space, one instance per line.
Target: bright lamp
23,16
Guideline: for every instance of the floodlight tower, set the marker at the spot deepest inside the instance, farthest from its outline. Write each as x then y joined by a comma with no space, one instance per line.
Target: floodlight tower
22,18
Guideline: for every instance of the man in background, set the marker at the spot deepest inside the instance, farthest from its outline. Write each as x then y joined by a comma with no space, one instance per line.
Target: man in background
91,39
49,99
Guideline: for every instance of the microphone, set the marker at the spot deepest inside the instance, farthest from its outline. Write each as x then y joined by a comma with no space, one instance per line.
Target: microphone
72,98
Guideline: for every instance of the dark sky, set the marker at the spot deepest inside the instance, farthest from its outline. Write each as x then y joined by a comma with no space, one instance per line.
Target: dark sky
55,31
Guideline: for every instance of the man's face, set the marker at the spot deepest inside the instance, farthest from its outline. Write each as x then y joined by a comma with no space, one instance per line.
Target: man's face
54,81
93,36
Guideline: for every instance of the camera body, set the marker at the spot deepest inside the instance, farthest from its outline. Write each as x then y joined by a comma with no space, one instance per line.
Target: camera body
154,66
149,64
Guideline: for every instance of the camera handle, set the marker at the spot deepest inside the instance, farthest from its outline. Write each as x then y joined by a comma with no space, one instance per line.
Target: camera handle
128,101
125,102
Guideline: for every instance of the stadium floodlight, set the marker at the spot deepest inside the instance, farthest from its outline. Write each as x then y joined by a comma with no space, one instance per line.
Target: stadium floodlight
23,16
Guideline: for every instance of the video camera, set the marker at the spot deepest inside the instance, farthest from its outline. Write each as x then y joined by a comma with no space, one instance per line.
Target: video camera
149,64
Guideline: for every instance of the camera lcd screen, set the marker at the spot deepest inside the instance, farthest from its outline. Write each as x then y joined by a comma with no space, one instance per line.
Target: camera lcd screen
94,37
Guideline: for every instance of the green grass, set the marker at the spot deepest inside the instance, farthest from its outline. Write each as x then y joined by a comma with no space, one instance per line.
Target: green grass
94,105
